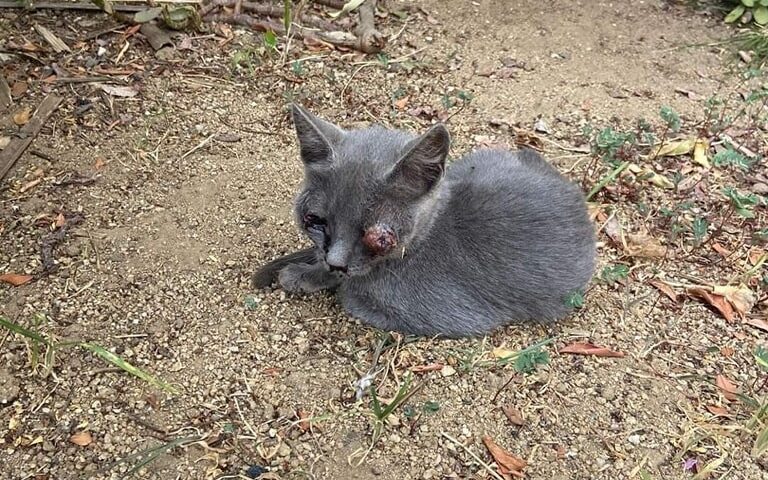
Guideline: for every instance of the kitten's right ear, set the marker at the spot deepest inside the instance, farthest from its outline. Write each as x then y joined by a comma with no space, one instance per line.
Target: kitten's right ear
316,136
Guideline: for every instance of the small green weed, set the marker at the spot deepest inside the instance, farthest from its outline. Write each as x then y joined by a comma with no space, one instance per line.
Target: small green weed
575,299
749,10
611,274
731,157
699,228
743,203
37,341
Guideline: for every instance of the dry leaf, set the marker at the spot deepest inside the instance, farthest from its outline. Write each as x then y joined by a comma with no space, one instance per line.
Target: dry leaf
728,388
502,352
665,289
99,164
727,352
586,348
717,301
649,175
22,116
402,103
60,220
757,323
15,279
700,152
645,246
613,229
755,255
119,91
513,415
432,367
672,149
724,252
30,185
19,88
716,410
508,463
81,438
304,424
741,297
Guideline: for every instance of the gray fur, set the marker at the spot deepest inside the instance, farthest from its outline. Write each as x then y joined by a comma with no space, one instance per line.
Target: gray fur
499,237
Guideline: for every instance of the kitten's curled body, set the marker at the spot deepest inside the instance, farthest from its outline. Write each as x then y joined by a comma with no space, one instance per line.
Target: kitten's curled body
499,237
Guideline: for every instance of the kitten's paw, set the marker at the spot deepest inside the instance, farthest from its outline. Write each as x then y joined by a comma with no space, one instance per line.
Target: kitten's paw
302,278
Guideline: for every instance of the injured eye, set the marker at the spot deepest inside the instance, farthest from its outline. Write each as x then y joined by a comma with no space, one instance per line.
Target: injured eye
380,239
313,222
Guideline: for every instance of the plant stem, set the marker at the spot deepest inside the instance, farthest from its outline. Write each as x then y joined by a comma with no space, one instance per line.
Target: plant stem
607,179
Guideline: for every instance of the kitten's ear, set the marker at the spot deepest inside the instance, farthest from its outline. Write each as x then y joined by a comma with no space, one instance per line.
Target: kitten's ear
316,137
423,163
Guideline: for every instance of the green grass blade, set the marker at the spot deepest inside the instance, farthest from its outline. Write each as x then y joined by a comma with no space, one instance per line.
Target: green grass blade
607,179
121,363
25,332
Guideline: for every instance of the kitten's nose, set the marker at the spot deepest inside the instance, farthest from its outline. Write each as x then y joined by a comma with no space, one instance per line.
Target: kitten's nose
338,268
337,257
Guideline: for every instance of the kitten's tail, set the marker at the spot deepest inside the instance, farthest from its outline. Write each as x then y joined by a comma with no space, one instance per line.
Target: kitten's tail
267,274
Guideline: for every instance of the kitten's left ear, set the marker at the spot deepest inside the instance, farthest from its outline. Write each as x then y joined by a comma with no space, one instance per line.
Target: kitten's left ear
423,163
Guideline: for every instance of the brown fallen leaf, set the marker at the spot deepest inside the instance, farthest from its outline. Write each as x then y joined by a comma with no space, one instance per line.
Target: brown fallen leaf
303,415
727,352
99,163
717,301
15,279
508,463
665,289
81,438
402,103
645,246
728,388
19,88
586,348
717,410
724,252
60,220
513,415
22,116
757,323
756,255
431,367
741,297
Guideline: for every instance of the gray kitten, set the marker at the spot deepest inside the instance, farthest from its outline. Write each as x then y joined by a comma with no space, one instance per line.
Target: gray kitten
410,246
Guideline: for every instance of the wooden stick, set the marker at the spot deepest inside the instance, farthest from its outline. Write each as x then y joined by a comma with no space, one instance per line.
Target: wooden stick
28,132
370,39
69,6
5,94
54,41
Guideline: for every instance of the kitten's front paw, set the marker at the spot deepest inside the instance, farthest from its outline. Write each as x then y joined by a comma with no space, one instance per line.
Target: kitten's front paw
300,278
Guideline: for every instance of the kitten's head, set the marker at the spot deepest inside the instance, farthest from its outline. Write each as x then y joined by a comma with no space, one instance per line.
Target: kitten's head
367,193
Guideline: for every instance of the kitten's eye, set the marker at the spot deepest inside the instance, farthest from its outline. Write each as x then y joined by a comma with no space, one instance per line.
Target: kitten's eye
380,239
313,222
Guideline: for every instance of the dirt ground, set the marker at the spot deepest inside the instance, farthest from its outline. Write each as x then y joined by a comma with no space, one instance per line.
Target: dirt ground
194,178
